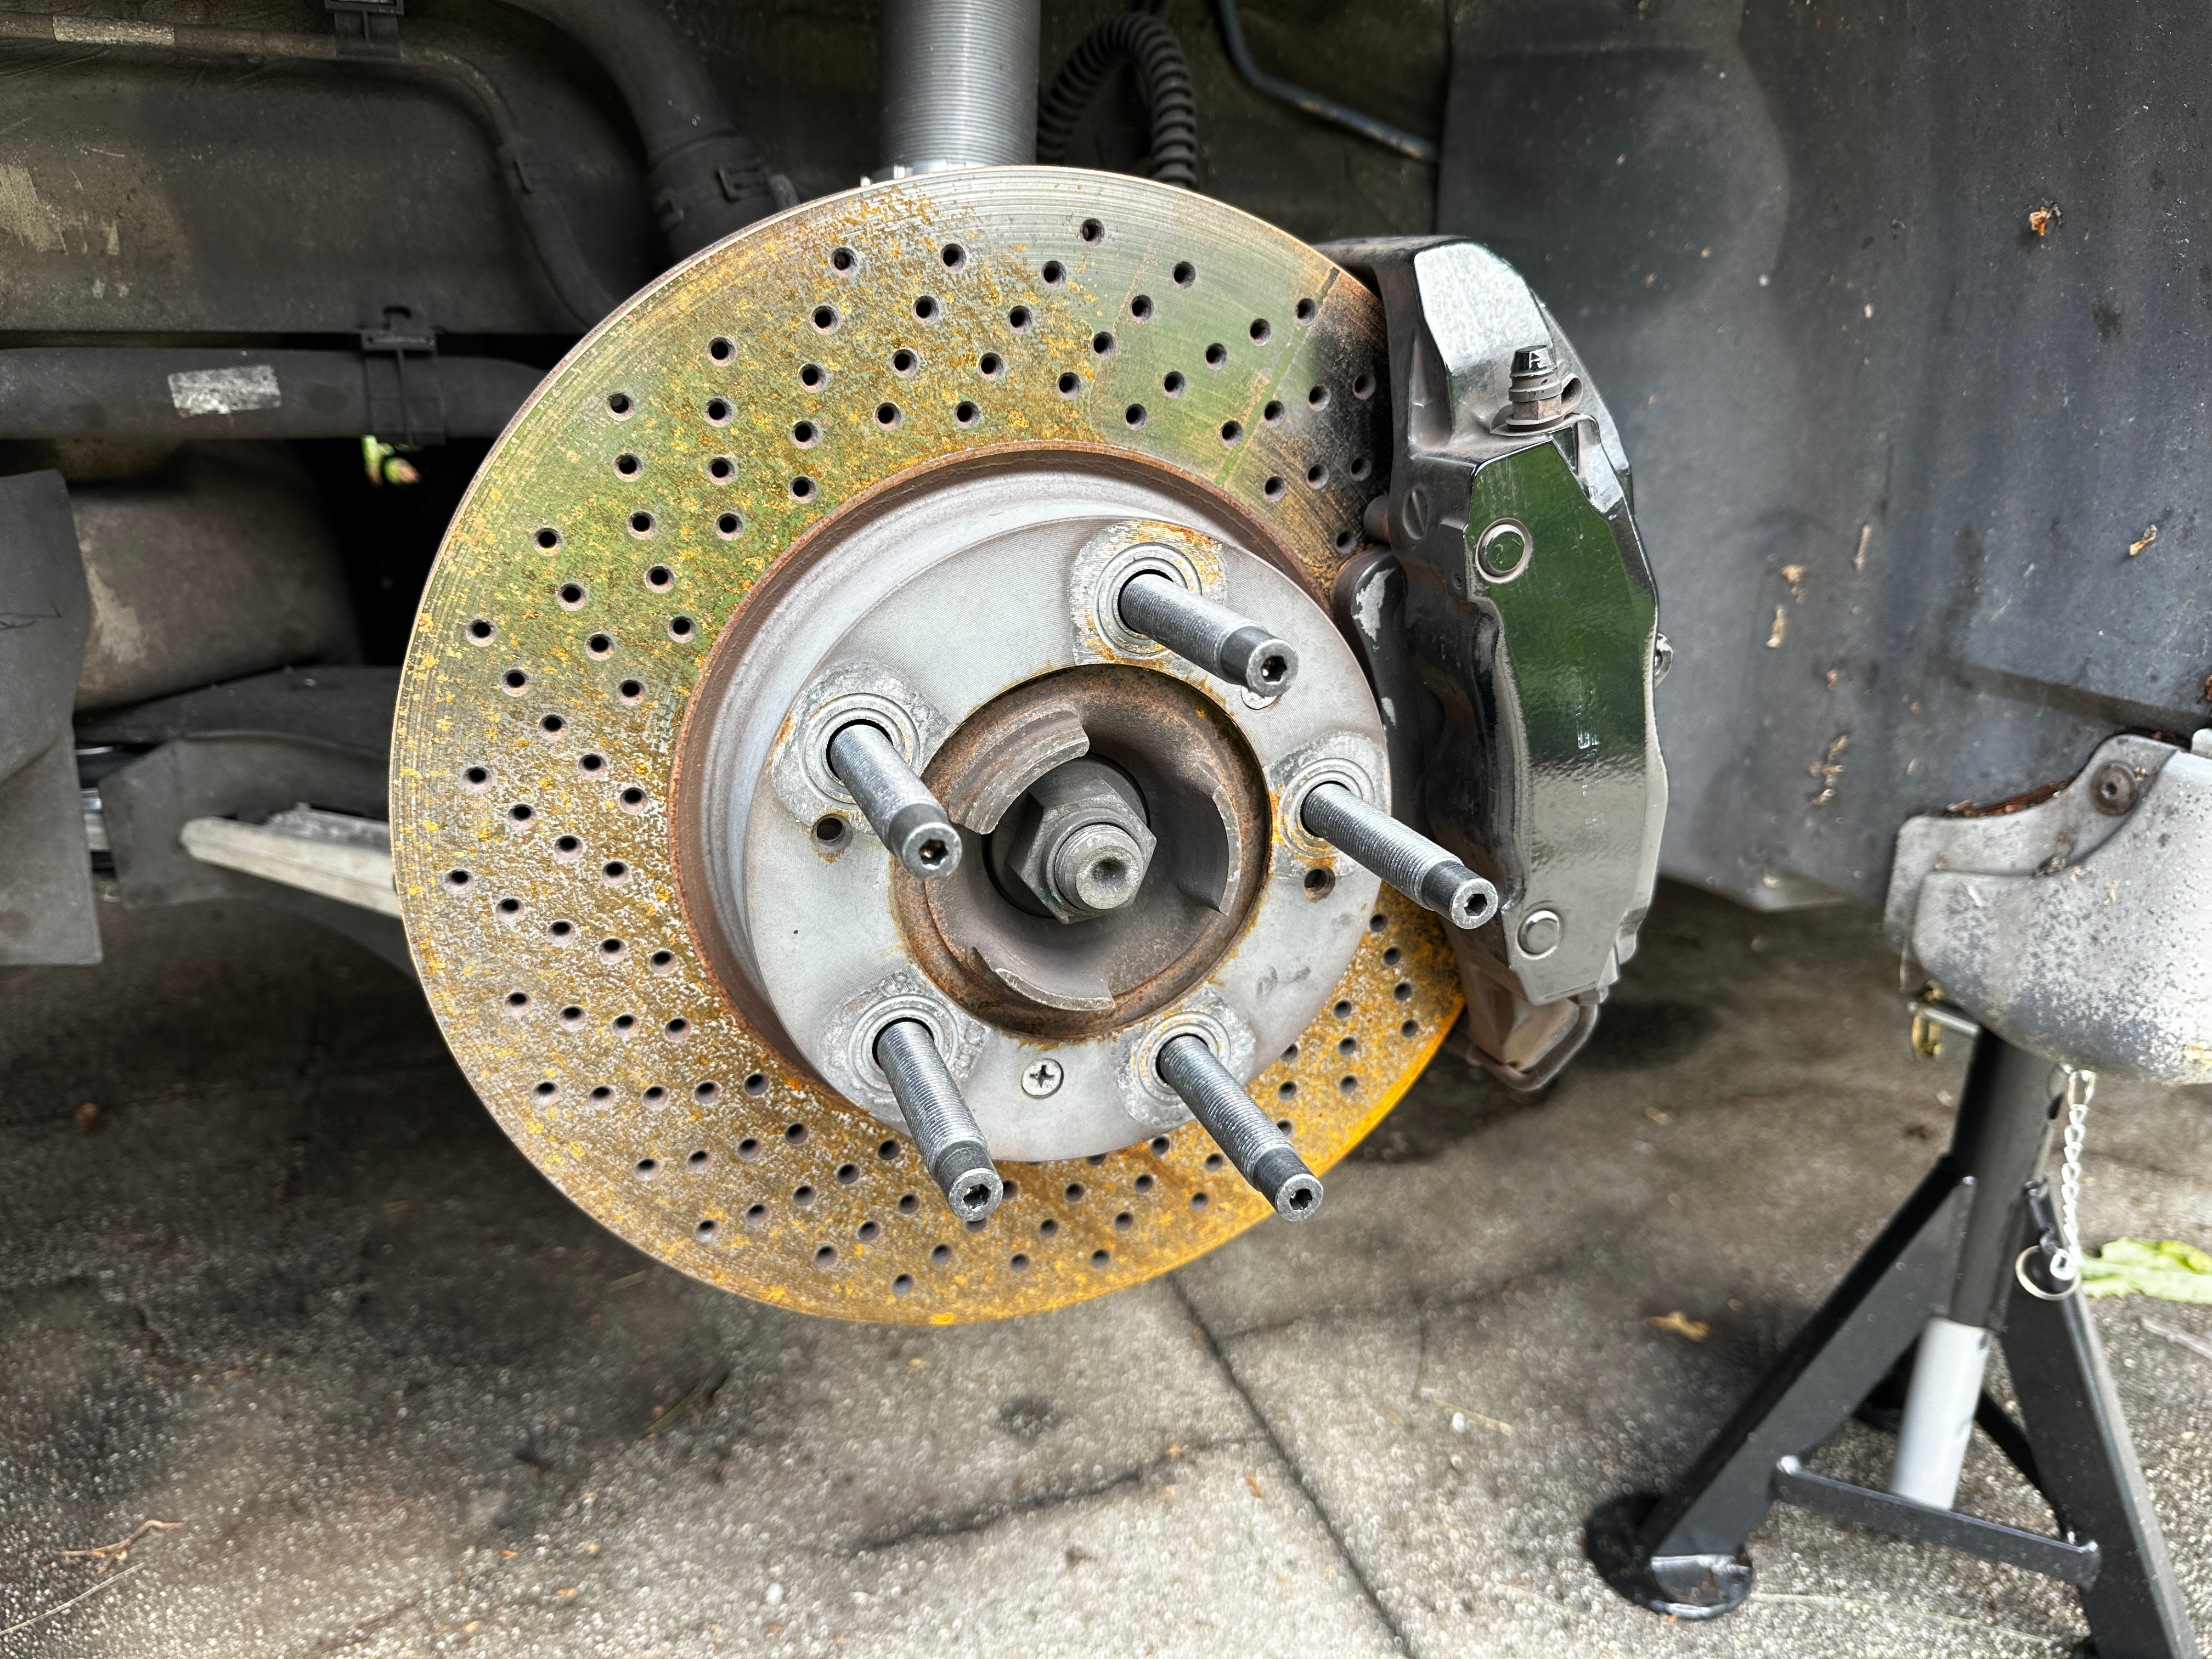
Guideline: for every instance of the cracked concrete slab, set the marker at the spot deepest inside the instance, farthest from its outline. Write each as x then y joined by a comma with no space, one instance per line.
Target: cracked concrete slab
288,1286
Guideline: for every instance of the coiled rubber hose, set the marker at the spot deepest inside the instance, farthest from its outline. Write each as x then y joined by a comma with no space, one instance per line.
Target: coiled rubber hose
1162,78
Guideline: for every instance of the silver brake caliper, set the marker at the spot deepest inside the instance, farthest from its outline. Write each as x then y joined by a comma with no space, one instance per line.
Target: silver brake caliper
1511,632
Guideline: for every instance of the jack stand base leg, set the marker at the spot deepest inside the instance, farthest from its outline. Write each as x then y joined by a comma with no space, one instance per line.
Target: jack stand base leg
2085,1465
1949,1252
1687,1586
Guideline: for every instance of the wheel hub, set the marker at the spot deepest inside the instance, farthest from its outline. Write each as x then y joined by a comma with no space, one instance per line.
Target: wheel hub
890,458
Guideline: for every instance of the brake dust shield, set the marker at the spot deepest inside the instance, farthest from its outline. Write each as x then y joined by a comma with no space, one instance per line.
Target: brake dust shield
698,440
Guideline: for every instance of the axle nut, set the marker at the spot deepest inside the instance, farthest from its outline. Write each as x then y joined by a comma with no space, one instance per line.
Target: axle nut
1078,842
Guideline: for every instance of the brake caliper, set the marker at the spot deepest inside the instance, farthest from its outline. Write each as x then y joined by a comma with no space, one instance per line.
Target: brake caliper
1511,633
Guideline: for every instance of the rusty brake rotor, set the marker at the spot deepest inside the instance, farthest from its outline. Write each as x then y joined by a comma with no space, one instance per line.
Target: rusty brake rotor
882,447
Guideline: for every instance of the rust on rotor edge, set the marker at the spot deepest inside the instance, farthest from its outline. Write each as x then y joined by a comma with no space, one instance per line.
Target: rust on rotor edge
608,544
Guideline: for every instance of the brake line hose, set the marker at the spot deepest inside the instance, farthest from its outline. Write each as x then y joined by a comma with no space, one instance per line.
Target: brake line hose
1162,78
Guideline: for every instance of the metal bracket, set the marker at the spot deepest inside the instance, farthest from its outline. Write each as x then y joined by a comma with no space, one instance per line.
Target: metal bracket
1526,616
405,405
366,28
2070,927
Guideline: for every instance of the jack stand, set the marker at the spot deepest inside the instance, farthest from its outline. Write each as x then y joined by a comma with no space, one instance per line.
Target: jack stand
1940,1275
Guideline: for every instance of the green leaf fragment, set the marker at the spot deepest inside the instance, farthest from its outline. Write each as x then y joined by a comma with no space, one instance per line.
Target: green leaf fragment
2168,1269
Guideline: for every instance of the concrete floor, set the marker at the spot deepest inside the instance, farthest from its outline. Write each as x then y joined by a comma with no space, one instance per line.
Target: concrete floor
290,1288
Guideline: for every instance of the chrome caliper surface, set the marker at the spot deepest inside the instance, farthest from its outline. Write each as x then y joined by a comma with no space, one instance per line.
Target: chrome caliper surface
1517,616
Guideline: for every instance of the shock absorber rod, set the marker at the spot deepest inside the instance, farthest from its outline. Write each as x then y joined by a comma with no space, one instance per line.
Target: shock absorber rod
1212,635
959,83
1424,871
912,821
1262,1153
943,1127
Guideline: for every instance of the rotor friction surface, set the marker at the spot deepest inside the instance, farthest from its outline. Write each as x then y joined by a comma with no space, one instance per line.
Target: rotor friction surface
684,448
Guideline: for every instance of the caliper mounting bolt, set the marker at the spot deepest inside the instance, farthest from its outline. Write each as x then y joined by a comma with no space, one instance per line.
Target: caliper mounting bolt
1424,871
1262,1153
1212,635
944,1129
899,806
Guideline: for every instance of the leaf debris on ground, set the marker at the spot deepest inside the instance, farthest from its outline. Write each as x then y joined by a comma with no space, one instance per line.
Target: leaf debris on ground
2167,1268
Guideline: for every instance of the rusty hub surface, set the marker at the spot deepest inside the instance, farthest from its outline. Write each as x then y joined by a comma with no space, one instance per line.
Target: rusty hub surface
595,587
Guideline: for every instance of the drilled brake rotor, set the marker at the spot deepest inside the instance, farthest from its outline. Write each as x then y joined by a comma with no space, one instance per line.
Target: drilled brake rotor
711,431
